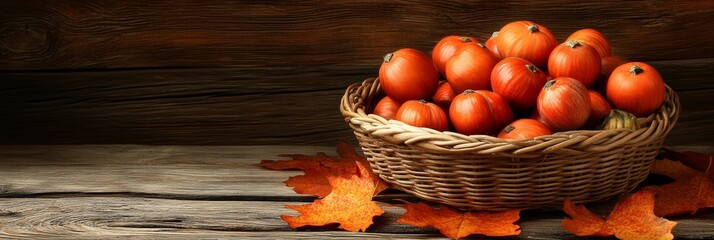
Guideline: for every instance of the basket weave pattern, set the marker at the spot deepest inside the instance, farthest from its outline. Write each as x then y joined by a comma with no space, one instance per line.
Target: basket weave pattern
480,172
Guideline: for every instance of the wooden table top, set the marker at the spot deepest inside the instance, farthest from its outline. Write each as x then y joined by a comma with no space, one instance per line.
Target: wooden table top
196,192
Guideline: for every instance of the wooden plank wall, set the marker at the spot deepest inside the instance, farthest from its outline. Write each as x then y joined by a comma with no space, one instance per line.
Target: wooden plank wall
272,72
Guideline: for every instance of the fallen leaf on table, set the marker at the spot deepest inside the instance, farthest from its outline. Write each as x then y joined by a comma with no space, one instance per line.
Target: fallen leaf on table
317,168
349,204
695,160
298,162
632,218
583,222
345,151
691,190
313,182
456,224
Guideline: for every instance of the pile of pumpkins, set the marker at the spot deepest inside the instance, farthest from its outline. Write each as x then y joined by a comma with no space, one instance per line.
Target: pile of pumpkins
520,84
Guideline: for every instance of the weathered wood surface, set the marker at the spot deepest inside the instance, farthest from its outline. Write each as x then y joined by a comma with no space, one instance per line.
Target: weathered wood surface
146,217
221,106
256,72
137,34
207,106
189,192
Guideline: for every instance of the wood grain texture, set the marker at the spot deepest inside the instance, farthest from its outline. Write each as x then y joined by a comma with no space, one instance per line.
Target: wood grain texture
208,106
86,192
230,106
123,217
257,72
211,172
185,172
40,34
217,173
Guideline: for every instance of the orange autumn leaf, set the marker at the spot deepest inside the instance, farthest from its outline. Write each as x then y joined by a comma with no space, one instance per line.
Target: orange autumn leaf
345,151
313,182
349,204
695,160
632,218
298,162
317,168
691,190
455,224
583,222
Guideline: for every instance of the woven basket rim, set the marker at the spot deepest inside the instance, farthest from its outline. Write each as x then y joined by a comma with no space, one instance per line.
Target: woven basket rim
359,96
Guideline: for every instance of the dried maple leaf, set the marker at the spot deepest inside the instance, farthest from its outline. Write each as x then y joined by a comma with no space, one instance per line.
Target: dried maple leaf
301,162
349,204
691,190
318,168
583,222
298,162
345,151
455,224
698,161
632,218
313,182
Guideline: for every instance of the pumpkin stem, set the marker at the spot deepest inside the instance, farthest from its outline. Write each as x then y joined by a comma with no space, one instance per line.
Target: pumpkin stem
533,28
465,39
636,69
532,67
388,57
423,101
469,91
572,44
509,128
494,34
549,84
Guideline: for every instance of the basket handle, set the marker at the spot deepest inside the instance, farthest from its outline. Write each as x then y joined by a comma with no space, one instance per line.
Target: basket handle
353,101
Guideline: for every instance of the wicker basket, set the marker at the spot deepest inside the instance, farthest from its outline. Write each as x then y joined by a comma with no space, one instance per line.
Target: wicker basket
480,172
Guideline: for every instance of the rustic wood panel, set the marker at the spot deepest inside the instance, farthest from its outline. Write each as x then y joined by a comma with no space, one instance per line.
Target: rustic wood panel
185,172
256,72
195,234
232,106
171,172
161,171
85,192
127,216
40,34
208,106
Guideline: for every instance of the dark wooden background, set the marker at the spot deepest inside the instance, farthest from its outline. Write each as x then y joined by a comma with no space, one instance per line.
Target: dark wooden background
272,72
